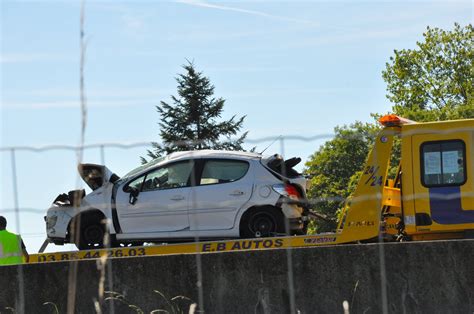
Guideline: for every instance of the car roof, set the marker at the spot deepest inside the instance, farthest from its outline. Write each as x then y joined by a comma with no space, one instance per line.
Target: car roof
209,153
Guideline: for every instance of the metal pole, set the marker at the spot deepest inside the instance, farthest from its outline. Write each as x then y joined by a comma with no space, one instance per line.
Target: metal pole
383,269
20,306
72,277
289,255
108,264
102,154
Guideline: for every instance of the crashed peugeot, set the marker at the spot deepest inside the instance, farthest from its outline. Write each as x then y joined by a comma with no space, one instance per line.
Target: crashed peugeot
184,196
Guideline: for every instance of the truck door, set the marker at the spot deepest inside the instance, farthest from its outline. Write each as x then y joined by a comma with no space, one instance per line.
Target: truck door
443,180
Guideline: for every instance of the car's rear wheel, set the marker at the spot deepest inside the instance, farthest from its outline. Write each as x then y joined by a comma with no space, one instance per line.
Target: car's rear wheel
262,222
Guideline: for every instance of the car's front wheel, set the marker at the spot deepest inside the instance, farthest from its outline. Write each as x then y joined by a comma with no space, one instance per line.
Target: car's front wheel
91,232
92,236
262,222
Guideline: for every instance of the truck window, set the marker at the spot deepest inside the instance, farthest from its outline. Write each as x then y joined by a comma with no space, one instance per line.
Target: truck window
443,163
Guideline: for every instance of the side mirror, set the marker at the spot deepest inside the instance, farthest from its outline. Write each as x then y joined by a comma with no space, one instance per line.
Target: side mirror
133,194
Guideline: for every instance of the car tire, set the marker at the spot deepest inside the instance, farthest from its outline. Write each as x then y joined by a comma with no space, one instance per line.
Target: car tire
262,222
92,237
92,232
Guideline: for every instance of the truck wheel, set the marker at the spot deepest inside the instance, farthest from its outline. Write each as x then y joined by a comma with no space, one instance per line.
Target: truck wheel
262,222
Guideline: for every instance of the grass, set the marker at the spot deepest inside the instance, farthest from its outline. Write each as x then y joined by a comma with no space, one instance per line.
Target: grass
174,305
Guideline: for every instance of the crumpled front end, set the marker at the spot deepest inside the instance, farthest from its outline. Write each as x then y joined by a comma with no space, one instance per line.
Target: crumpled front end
57,222
59,215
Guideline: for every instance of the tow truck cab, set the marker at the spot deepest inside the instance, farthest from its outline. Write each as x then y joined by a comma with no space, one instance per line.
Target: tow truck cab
433,194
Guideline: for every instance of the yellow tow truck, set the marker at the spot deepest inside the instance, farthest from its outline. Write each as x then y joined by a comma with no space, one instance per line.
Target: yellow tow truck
431,197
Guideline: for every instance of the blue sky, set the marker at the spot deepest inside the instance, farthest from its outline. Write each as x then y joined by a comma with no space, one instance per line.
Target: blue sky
293,67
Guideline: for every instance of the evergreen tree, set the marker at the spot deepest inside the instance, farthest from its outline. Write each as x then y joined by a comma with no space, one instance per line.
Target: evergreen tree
191,122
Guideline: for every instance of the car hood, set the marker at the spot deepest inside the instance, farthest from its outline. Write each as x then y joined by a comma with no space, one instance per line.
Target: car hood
96,176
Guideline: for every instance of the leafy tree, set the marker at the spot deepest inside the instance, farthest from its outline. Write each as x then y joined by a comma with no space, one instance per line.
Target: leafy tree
435,80
191,122
430,83
334,169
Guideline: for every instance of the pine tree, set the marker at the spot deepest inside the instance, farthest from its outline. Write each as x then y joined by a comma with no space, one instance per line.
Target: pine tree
191,122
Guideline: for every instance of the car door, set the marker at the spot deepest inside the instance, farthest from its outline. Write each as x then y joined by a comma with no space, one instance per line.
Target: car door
161,203
224,186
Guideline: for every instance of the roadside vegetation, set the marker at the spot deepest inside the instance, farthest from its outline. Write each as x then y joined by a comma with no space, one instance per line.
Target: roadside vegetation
433,82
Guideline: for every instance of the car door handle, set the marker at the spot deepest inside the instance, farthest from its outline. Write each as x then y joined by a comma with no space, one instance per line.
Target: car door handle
237,193
177,198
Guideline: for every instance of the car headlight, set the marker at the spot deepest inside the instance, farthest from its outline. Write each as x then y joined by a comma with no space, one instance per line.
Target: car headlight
51,221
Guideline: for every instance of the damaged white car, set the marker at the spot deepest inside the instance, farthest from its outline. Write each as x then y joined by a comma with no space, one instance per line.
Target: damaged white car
185,196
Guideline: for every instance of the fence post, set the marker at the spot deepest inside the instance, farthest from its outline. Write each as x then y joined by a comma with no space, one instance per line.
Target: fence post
20,301
102,154
289,255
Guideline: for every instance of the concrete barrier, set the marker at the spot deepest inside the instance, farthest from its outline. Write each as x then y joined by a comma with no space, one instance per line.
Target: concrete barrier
428,277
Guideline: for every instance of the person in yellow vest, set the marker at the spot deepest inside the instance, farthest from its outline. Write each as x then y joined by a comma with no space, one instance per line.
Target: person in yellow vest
12,248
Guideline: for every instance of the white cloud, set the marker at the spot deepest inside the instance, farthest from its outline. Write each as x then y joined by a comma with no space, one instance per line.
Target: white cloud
58,104
134,23
68,98
110,93
250,69
31,57
204,4
308,92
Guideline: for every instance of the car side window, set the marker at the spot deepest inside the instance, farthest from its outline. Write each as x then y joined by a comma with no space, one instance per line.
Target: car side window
223,171
443,163
169,177
137,183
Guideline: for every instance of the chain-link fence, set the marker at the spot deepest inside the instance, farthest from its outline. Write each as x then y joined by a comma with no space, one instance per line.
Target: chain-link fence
28,193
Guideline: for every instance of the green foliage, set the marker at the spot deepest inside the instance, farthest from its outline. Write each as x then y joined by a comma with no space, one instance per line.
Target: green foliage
430,83
191,122
434,81
333,168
